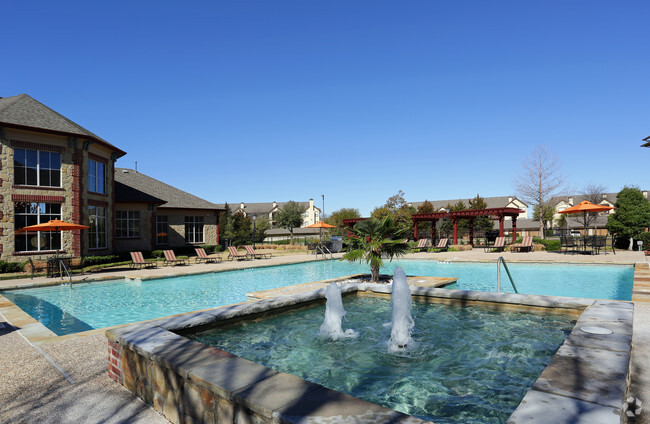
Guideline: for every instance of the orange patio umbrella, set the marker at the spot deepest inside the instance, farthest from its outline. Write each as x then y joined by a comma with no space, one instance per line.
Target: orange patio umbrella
320,225
55,225
584,207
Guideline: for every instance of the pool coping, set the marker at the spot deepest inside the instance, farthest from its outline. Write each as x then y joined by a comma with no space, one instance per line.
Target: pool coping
37,333
587,377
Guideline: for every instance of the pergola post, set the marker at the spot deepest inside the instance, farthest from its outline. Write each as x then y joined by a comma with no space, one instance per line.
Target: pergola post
455,230
415,230
514,229
501,226
433,231
471,232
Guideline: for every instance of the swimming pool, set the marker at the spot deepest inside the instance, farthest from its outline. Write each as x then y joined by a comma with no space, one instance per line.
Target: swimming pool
66,310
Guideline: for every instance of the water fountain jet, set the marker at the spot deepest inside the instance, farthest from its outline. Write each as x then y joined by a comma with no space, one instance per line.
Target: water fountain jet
334,313
402,322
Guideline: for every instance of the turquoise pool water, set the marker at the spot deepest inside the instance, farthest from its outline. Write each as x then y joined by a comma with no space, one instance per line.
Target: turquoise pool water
470,365
66,310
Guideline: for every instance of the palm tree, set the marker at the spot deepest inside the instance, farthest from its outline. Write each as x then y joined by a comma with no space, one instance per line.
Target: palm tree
373,239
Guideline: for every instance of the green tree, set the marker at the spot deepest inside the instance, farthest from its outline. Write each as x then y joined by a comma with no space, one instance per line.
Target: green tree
337,217
397,208
373,239
242,229
547,211
632,215
290,216
226,230
425,207
261,225
481,223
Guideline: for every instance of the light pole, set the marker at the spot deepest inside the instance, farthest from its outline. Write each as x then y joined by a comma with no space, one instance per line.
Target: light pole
254,220
322,217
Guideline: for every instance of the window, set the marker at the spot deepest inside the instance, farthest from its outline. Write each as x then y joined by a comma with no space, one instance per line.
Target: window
96,177
31,214
127,224
97,230
162,230
194,229
37,168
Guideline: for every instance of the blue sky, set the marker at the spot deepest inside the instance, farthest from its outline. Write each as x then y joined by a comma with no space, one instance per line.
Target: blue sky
259,101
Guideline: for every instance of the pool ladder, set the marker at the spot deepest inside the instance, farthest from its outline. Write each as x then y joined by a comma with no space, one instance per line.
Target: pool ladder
321,249
499,262
61,264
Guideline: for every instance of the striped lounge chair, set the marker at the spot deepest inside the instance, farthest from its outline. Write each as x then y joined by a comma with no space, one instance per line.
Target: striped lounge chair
137,261
233,254
253,254
201,256
526,245
170,259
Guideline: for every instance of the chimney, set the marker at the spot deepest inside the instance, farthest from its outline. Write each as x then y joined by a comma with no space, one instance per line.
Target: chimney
311,203
571,200
509,199
275,204
242,206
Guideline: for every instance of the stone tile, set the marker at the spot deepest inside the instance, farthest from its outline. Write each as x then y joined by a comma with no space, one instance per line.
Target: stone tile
229,375
620,340
324,405
181,322
541,301
546,408
182,354
595,314
590,375
614,304
274,392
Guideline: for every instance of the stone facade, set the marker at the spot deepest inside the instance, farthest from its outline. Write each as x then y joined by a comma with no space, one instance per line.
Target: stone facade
71,195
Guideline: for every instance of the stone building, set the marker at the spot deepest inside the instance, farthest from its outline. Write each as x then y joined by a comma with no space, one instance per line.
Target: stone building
52,168
269,210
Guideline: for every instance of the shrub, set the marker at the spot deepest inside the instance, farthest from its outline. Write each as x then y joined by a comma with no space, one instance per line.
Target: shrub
212,248
645,237
100,260
550,245
6,267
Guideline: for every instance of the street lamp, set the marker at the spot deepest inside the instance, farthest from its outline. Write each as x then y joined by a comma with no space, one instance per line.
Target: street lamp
254,220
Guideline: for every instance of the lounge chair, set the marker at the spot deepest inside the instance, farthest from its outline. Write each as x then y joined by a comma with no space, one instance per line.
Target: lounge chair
526,245
442,246
498,246
170,259
232,254
201,256
253,254
137,261
422,246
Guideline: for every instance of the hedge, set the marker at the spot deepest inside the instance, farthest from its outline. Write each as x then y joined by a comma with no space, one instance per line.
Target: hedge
6,267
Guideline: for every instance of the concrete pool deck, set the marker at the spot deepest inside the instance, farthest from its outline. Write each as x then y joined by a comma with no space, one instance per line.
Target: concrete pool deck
32,390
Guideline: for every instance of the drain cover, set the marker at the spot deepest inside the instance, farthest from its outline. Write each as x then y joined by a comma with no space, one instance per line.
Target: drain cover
596,330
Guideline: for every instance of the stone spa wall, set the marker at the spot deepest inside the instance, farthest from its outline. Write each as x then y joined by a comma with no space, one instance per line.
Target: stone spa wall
189,382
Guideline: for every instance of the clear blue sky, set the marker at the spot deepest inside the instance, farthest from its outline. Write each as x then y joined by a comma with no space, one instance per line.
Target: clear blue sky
268,100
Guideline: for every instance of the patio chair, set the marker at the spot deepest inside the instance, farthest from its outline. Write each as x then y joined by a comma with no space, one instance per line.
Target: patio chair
498,246
201,256
568,243
253,254
442,246
170,259
137,261
526,245
232,254
422,246
599,242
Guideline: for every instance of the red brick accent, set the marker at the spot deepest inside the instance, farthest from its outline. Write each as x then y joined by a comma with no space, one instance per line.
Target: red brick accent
2,232
77,187
97,158
0,248
37,146
2,198
37,198
114,363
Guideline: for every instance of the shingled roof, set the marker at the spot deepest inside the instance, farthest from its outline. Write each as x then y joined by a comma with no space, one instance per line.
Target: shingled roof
491,202
24,112
262,208
152,190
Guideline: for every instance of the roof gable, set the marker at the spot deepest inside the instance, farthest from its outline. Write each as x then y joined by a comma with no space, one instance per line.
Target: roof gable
24,112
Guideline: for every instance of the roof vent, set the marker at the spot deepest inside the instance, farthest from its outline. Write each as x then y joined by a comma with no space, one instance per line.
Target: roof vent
125,171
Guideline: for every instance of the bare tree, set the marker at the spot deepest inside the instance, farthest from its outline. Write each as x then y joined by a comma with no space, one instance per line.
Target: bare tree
540,181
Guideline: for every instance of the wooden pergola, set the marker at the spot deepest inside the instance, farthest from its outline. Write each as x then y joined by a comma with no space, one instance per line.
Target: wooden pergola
497,214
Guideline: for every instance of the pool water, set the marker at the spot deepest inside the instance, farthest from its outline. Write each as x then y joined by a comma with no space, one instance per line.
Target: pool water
66,310
470,365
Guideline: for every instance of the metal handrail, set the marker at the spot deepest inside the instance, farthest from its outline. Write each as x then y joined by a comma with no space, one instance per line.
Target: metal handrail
61,264
503,261
323,251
